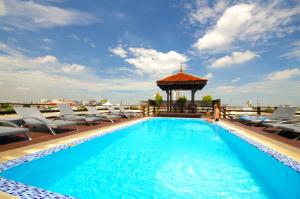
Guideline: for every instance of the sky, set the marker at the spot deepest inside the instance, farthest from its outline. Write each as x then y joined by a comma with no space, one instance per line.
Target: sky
82,50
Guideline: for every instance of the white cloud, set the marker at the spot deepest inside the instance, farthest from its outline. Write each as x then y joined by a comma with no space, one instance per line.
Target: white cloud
267,92
84,39
43,76
74,68
155,63
234,58
22,88
202,11
46,48
2,8
226,28
235,80
227,89
31,15
284,74
75,37
294,51
45,59
209,76
119,51
92,45
7,29
258,21
270,19
15,58
47,40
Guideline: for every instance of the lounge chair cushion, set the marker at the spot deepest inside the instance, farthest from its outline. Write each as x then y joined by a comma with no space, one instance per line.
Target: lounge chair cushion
4,130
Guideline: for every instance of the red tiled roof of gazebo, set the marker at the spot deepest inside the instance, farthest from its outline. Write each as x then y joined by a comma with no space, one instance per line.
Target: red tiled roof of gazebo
181,76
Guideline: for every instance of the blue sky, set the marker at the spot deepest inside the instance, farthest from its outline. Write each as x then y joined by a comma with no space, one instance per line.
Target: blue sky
249,50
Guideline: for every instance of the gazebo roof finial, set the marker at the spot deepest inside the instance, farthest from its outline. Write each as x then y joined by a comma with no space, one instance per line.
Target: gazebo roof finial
181,69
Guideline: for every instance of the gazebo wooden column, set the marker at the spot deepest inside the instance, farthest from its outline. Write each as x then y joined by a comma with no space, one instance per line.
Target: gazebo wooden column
193,91
193,96
171,102
168,100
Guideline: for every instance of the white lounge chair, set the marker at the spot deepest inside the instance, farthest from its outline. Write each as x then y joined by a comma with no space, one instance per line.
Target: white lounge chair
280,114
12,129
33,117
117,113
291,125
68,114
130,114
92,110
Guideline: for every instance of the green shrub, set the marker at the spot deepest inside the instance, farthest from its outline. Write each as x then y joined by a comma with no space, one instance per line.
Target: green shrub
207,98
181,101
158,100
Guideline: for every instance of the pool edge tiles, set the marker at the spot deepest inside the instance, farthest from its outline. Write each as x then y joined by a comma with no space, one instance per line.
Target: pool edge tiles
24,191
13,188
278,155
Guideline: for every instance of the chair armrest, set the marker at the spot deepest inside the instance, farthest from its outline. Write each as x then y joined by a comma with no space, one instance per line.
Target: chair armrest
9,123
34,118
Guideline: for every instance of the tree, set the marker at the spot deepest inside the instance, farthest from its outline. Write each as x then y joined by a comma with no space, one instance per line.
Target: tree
158,100
207,99
181,101
103,101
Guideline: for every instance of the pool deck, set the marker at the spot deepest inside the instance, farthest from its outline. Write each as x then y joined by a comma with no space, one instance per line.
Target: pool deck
287,149
33,148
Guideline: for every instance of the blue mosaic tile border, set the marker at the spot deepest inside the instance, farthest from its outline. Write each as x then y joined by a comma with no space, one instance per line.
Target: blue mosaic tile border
275,154
25,191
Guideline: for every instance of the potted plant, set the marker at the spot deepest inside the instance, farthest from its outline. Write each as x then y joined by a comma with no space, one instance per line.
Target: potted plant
158,100
207,99
181,101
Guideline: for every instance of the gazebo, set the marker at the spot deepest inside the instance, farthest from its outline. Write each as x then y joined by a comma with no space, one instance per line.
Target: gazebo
181,81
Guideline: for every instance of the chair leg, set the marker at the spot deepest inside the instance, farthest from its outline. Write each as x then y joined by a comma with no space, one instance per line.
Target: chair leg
297,137
27,136
265,128
75,127
278,131
52,131
110,119
90,123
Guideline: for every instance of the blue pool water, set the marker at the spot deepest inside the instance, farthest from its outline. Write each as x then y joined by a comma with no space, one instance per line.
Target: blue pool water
162,158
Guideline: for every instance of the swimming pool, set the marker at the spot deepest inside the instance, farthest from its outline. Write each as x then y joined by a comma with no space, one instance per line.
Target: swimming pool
161,158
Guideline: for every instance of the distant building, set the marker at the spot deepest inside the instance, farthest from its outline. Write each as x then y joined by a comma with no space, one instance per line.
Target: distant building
44,101
93,102
78,102
62,101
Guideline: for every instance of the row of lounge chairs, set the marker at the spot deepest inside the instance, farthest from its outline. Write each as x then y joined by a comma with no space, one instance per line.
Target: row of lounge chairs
32,117
282,119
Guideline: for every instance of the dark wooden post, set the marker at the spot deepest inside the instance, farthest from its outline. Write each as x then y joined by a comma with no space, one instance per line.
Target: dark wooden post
168,99
224,112
148,108
143,111
193,109
171,103
258,110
